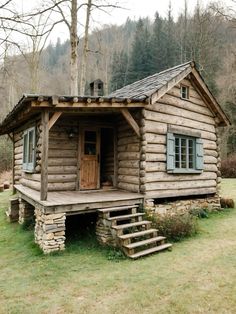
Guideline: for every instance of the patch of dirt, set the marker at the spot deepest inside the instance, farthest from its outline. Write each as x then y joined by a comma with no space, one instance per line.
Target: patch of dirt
6,176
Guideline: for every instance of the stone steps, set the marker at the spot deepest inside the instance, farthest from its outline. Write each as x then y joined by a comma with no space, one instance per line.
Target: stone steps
151,250
125,217
144,242
118,208
132,224
137,234
139,238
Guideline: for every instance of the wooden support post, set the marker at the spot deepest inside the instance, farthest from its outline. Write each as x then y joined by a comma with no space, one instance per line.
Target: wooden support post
54,119
44,158
127,115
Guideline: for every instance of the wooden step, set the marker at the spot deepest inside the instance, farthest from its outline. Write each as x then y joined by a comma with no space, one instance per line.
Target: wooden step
124,217
118,208
136,234
144,242
151,250
132,224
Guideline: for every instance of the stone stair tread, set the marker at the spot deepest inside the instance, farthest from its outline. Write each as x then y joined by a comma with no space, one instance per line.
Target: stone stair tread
144,242
118,208
132,224
151,250
123,217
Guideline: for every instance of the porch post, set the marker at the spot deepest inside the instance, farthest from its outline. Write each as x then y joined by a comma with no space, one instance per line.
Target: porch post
44,157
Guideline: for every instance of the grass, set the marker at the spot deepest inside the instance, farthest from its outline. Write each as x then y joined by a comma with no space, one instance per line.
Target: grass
198,276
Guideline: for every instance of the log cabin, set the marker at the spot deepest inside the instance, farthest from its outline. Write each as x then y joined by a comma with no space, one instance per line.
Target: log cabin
152,142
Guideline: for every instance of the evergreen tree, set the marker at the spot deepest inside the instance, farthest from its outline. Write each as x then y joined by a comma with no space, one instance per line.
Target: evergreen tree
158,45
119,70
141,54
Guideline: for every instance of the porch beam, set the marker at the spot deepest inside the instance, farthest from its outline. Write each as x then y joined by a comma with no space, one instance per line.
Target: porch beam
127,115
54,119
44,158
83,104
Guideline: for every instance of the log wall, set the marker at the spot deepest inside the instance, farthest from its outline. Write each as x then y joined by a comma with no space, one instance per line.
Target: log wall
19,174
128,156
62,160
188,115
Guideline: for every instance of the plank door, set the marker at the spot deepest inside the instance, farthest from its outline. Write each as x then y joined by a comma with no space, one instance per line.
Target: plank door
89,159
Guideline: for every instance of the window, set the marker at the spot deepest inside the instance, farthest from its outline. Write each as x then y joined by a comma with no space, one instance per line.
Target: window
184,154
29,150
184,92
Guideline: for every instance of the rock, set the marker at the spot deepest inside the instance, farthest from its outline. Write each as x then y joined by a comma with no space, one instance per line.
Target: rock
6,185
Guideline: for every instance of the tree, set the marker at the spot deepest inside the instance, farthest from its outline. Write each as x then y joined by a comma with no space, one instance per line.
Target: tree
158,45
119,70
141,55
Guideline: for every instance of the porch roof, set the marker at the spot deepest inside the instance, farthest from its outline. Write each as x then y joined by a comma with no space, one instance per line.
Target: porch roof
31,104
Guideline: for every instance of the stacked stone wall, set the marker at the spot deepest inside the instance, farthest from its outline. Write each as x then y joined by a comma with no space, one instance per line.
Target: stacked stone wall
50,231
182,206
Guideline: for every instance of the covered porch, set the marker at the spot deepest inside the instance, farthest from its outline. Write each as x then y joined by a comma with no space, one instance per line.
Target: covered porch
77,202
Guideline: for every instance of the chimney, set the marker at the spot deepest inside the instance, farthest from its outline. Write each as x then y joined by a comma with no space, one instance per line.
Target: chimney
96,88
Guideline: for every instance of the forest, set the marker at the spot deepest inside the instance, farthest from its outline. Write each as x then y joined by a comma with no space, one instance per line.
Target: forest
120,55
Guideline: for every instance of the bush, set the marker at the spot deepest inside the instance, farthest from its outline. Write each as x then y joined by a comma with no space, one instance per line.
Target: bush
200,212
228,167
175,226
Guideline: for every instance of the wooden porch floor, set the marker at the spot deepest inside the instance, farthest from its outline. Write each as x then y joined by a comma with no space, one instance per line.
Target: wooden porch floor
79,201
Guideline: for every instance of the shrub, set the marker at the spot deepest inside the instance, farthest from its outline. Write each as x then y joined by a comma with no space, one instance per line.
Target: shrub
228,167
175,226
200,212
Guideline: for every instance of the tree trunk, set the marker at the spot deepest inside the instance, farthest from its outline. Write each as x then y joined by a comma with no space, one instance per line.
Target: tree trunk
74,50
85,50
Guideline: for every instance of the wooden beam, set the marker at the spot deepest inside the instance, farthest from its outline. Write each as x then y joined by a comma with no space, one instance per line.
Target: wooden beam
54,119
88,104
127,115
44,158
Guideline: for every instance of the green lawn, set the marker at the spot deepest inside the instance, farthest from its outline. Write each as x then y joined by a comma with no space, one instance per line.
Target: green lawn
198,276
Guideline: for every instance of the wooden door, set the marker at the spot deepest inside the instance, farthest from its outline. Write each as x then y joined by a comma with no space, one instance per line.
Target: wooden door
89,159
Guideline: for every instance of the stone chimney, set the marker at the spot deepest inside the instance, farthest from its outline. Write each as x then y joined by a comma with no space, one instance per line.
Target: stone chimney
96,88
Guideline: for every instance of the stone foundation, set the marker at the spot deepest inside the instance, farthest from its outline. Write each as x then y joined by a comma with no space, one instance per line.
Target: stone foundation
26,211
181,206
50,231
105,235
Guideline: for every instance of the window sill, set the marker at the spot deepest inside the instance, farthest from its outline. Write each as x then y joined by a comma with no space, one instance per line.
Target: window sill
184,171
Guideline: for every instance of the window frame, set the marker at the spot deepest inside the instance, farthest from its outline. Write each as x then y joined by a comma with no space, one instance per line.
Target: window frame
187,92
198,162
28,159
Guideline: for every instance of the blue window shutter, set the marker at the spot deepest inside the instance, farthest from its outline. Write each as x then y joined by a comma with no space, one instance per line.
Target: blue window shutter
199,154
170,158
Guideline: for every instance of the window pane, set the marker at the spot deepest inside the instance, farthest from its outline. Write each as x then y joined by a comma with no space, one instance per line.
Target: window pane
30,145
90,136
25,144
90,148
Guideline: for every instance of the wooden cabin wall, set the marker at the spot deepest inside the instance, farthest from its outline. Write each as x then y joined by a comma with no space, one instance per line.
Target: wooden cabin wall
20,176
62,160
18,155
192,114
128,155
63,155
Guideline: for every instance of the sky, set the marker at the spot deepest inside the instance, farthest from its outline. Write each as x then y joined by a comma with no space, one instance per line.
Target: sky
133,9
